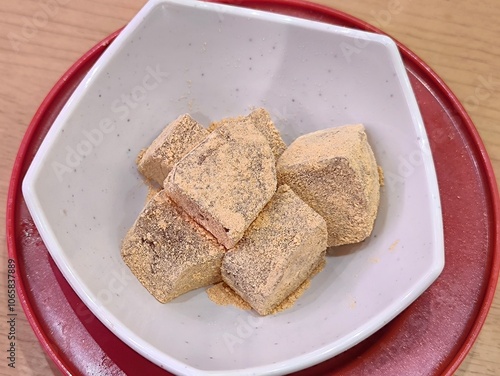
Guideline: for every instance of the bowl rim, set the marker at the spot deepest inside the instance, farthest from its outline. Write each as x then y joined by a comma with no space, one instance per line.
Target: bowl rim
142,345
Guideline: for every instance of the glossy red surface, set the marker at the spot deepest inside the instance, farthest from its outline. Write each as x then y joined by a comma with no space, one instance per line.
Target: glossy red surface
431,337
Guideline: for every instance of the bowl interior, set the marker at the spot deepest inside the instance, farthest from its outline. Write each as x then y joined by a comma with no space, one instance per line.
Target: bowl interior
84,192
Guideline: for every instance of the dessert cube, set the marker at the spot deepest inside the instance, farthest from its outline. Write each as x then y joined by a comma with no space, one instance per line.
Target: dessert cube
261,119
225,181
334,171
177,139
279,251
169,253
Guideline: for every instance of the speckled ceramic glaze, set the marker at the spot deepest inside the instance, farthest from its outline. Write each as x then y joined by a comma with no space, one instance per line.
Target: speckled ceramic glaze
84,192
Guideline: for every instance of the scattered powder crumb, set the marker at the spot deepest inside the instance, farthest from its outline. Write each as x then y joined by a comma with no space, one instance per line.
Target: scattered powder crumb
374,260
393,245
153,188
352,302
139,156
222,294
381,178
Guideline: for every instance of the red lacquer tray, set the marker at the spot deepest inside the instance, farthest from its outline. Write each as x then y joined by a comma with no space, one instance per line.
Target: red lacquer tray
431,337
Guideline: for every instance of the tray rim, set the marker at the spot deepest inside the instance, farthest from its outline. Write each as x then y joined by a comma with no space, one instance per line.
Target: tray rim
354,22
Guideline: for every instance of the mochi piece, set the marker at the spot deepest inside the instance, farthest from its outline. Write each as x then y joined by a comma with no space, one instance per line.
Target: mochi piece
225,181
226,121
178,138
334,171
260,119
279,251
169,253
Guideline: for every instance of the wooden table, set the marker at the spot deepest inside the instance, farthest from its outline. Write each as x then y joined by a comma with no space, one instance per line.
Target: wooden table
39,40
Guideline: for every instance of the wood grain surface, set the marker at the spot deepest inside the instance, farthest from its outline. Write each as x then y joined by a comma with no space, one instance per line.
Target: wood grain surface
40,39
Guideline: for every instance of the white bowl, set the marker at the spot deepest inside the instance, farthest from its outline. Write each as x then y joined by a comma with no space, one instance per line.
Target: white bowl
84,192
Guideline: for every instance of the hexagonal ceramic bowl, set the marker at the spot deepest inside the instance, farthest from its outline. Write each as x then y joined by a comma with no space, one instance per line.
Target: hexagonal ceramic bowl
84,192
